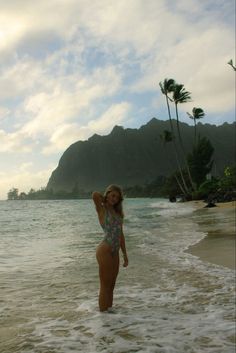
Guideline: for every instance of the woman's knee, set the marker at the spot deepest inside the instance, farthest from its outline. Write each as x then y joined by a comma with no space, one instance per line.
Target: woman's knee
107,285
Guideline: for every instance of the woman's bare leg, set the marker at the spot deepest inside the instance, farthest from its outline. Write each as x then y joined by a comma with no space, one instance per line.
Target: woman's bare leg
115,270
108,270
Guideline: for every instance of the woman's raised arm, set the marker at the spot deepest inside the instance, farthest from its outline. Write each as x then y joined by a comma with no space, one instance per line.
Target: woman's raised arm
98,200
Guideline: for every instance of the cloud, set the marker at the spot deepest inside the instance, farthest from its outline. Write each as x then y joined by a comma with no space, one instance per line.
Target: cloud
20,79
68,100
117,27
64,136
217,94
70,133
14,142
59,103
23,179
116,114
27,166
129,26
12,29
65,65
160,38
200,62
4,112
20,20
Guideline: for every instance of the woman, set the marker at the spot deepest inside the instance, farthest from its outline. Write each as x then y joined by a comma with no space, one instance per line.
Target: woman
110,215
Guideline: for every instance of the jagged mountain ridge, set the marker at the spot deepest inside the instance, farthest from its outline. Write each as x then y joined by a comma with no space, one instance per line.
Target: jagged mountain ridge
134,156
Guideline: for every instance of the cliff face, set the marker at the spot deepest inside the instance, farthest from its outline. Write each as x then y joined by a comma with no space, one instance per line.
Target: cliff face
134,156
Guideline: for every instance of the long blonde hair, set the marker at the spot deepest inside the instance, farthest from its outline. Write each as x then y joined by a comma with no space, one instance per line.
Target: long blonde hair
118,207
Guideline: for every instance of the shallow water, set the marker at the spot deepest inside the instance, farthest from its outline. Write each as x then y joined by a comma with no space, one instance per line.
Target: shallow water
166,301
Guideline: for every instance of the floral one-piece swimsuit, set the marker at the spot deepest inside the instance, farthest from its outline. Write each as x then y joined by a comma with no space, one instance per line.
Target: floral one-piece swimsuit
113,229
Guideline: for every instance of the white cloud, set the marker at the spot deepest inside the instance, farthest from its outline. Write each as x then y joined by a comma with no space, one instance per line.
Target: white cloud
64,136
23,179
20,78
200,62
217,94
48,112
65,65
172,44
23,19
68,100
27,166
4,112
116,114
127,26
132,23
69,133
14,142
12,29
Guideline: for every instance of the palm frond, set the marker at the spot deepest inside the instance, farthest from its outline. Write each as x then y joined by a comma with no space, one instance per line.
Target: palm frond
230,62
190,116
180,95
198,113
167,85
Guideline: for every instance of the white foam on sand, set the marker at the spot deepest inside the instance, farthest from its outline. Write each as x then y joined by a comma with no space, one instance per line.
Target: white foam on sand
146,320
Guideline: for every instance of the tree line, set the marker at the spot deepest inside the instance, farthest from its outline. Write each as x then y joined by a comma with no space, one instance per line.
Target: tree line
220,189
48,194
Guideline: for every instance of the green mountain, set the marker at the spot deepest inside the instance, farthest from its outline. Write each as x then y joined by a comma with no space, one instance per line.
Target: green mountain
134,156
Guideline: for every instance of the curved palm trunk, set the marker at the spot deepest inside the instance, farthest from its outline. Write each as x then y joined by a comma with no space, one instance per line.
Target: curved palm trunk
180,170
182,147
184,188
175,176
179,184
169,115
178,128
195,131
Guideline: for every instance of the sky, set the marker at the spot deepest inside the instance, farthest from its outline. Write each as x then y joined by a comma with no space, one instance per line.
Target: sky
73,68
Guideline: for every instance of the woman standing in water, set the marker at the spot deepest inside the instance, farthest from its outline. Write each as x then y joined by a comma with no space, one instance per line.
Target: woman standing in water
110,215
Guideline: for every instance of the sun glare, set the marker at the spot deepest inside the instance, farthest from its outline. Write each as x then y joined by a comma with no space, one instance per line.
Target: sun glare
10,31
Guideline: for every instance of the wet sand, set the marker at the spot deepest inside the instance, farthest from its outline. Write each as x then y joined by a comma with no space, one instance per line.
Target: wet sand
218,223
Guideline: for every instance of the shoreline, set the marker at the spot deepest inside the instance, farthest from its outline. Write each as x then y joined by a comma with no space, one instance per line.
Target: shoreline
218,246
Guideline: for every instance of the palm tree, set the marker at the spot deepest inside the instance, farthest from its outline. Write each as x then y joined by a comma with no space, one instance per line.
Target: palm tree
180,95
231,64
197,113
167,87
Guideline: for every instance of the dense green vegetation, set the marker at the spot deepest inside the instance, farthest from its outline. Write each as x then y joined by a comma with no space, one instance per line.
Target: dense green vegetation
219,189
194,179
198,163
47,194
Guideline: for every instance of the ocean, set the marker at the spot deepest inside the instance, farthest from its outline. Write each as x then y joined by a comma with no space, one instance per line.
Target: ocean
166,301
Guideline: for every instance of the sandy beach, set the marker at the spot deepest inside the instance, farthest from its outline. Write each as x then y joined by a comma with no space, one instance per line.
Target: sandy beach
218,223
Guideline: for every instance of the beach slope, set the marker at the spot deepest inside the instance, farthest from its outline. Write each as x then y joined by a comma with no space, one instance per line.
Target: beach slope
218,223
